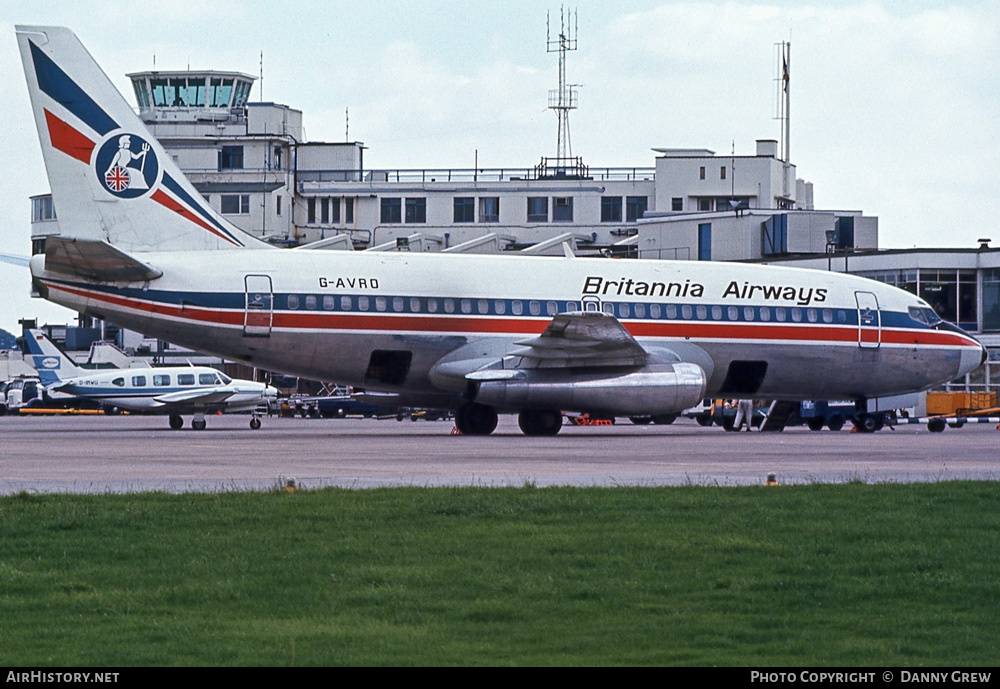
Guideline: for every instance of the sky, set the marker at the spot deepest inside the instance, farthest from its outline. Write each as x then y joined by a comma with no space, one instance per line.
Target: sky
895,104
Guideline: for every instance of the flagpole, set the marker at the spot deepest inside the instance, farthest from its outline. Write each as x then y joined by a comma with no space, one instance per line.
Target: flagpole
788,101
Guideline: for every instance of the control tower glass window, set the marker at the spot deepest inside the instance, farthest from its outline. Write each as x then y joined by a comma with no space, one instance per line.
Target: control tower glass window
242,93
196,93
163,94
219,91
141,95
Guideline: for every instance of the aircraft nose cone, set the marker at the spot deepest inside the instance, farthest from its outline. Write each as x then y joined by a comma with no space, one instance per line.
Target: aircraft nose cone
972,359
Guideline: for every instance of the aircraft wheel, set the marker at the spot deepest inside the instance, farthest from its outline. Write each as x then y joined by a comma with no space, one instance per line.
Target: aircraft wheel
198,425
664,419
254,423
867,423
540,421
476,419
936,425
703,420
640,420
815,423
835,422
176,422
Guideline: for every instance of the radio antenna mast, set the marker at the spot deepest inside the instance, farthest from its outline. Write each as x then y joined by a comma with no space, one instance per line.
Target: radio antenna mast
563,99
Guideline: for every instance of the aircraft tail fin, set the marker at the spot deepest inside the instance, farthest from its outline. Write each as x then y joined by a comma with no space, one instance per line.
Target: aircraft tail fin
111,180
52,364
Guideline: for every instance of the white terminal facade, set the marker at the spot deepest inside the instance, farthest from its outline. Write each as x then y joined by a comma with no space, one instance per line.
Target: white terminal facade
253,164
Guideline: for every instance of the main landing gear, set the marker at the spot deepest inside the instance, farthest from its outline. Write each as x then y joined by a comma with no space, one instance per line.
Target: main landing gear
540,421
481,419
476,419
198,422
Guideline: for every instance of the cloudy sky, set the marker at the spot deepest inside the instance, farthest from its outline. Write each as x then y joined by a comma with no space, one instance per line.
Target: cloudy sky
895,105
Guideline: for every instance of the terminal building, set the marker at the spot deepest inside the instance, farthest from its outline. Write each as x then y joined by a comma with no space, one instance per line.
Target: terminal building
253,164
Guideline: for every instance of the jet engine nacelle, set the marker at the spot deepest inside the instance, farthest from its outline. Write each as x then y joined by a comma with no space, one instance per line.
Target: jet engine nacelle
652,390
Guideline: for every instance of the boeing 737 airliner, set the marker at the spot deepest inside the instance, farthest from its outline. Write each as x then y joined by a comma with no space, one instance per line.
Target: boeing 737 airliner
480,334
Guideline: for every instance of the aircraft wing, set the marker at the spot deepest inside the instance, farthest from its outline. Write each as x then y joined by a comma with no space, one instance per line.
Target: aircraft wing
579,340
95,260
195,396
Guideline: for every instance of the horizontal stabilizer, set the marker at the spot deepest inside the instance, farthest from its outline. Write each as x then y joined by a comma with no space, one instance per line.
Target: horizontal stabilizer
95,260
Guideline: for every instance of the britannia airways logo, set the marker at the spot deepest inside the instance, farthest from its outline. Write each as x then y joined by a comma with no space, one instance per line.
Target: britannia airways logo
126,166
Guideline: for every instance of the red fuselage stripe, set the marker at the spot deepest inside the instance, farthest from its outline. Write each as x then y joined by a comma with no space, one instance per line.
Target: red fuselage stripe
524,326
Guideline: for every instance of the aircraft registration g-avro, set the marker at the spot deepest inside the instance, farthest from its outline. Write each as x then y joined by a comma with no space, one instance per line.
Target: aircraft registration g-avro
480,334
172,390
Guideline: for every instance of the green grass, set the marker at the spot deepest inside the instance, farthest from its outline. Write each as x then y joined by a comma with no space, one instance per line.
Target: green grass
828,575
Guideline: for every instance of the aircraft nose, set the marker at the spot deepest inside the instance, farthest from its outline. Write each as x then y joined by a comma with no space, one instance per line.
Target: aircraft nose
972,359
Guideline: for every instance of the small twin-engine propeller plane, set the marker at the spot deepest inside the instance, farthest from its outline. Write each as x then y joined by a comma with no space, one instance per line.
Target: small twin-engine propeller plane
483,335
172,390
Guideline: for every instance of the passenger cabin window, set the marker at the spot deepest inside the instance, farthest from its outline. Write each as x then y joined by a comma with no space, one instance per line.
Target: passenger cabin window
185,379
138,381
161,380
118,382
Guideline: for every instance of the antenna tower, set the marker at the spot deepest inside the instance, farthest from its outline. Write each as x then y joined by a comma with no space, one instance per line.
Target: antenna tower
563,99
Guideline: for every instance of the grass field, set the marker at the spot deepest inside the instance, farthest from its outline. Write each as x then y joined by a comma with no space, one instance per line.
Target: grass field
828,574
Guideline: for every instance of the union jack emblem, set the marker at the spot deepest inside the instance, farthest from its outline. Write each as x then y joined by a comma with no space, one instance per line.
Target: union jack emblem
117,179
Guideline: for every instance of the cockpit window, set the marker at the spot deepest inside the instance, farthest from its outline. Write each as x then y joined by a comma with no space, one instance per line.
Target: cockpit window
924,314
